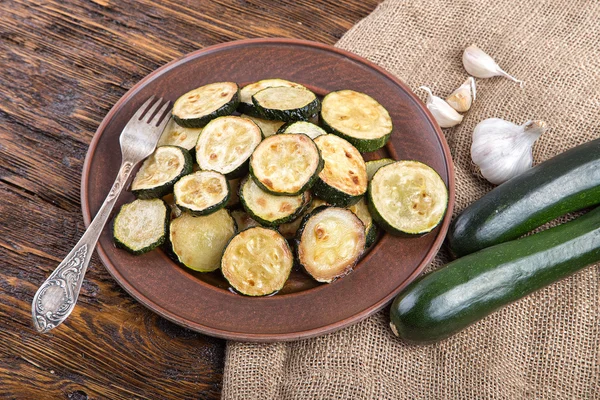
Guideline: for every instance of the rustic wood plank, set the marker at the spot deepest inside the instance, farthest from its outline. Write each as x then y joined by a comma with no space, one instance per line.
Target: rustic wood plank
63,64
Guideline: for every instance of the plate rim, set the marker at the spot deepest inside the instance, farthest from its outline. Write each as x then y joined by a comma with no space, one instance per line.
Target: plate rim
260,337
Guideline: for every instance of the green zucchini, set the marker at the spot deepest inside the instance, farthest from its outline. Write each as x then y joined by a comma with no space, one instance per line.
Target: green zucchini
176,135
449,299
247,107
329,243
564,183
257,261
198,242
343,180
358,118
286,103
226,144
374,165
202,192
308,128
407,198
286,164
141,226
198,107
267,127
362,211
268,209
160,171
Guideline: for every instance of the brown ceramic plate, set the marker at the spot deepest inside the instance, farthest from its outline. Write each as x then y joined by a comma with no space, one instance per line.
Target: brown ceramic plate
303,309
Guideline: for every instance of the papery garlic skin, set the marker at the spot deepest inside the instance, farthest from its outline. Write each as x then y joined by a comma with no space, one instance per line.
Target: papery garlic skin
503,150
462,98
444,114
479,64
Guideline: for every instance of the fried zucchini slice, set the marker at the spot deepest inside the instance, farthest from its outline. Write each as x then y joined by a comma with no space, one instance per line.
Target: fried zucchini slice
308,128
141,226
198,242
226,144
202,192
247,107
160,171
257,261
267,127
362,212
358,118
407,198
198,107
286,164
343,180
268,209
374,165
176,135
286,103
330,242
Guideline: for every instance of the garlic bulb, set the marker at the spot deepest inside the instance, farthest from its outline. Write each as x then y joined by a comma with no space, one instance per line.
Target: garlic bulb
445,115
462,98
502,150
481,65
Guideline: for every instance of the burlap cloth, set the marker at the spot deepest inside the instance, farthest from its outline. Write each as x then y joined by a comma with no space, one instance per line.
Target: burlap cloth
543,346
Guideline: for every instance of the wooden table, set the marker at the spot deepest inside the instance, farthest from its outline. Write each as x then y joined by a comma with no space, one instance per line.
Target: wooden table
63,66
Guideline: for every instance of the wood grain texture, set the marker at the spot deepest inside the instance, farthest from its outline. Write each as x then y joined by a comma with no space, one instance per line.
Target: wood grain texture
63,64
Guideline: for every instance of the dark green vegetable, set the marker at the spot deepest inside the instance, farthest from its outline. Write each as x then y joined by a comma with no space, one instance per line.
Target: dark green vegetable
567,182
445,301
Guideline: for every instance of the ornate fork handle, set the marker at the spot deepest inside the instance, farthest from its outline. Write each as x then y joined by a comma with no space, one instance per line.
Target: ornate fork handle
56,298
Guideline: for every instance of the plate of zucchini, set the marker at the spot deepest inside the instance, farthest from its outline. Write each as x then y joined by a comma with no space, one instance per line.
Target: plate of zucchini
296,190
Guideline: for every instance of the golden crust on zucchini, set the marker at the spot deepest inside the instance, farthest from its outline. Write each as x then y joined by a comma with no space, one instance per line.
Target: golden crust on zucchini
344,167
257,261
331,241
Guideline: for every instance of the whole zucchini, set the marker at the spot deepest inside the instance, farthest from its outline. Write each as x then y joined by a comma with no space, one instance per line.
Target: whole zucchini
567,182
447,300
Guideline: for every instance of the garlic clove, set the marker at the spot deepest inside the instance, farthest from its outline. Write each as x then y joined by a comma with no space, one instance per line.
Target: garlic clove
462,98
502,149
479,64
444,114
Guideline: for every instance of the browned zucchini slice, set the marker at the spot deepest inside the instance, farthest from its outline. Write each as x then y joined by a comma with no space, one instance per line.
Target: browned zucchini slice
257,261
330,242
286,164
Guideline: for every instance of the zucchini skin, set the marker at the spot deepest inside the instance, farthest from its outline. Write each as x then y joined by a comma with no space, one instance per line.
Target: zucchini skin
299,114
446,301
362,145
567,182
334,196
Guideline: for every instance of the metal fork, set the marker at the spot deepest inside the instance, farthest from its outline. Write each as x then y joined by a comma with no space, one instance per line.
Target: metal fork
56,298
